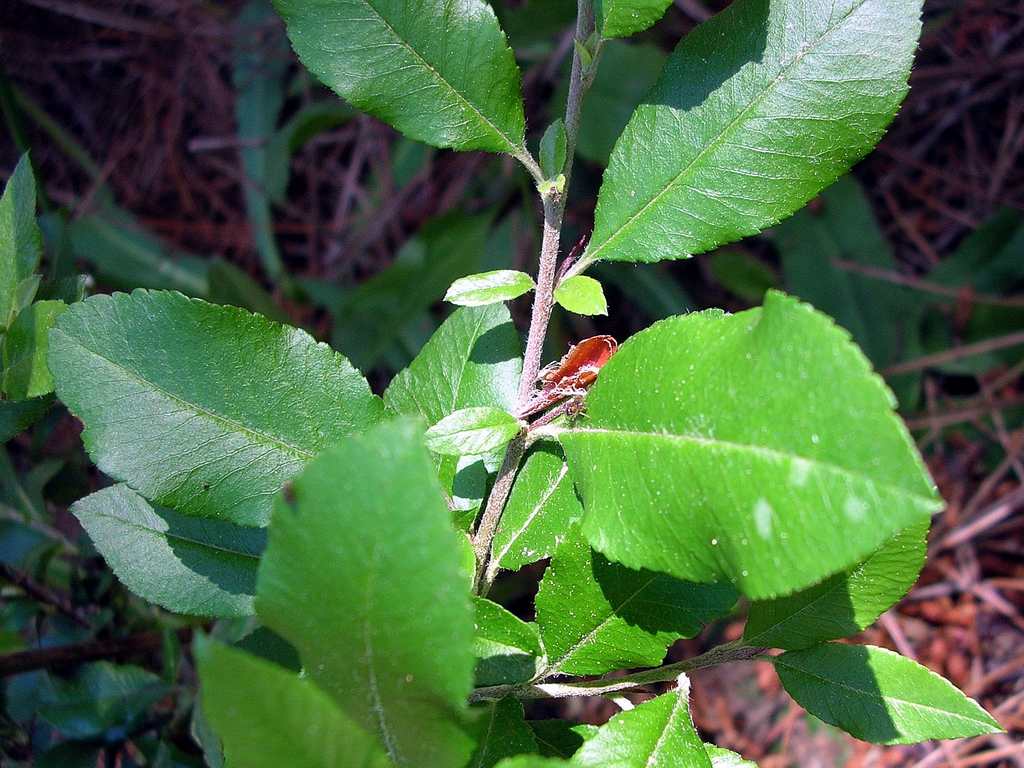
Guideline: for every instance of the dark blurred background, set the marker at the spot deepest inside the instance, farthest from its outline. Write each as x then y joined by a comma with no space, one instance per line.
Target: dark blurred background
179,145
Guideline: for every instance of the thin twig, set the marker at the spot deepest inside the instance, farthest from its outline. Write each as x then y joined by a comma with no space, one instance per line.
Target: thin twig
44,658
957,353
42,593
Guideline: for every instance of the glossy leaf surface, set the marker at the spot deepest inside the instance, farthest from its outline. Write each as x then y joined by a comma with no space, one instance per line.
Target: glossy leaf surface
501,731
472,432
583,295
622,18
489,287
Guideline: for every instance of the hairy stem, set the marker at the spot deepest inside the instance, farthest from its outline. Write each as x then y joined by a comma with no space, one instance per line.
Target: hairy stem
543,298
606,685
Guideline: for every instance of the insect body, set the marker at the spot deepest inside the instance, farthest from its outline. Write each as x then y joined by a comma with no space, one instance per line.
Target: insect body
571,376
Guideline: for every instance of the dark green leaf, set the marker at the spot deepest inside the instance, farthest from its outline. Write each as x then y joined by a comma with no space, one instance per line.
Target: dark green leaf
843,604
366,525
202,408
269,717
879,696
595,615
742,274
21,243
70,754
777,406
15,417
439,71
99,697
560,738
25,347
622,18
187,565
582,295
260,64
657,734
506,647
230,285
756,111
500,731
489,287
472,432
540,510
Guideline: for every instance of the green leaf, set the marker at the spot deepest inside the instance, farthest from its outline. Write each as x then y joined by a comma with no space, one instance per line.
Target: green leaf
595,615
582,295
756,111
202,408
843,604
622,18
472,432
25,346
366,525
16,417
310,120
657,734
500,731
21,243
723,758
506,647
268,717
560,738
879,696
553,149
260,63
742,274
439,71
99,697
540,510
777,406
532,761
489,288
187,565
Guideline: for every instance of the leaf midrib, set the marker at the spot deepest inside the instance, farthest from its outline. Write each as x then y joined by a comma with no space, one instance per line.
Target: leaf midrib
757,449
175,536
563,471
726,131
511,145
229,424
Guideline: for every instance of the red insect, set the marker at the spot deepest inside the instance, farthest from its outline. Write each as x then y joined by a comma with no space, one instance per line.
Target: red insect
571,376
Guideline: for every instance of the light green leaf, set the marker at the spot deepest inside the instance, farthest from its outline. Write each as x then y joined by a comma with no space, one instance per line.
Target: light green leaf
21,243
843,604
506,647
773,404
269,717
187,565
595,615
657,734
561,738
472,432
202,408
756,111
500,731
25,346
723,758
489,288
879,696
622,18
532,761
540,510
366,525
582,295
553,149
439,71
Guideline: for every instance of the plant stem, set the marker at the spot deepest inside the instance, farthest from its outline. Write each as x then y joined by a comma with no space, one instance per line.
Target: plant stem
606,685
543,298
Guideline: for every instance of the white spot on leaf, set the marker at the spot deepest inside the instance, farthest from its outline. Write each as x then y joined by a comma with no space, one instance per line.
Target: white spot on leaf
763,513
